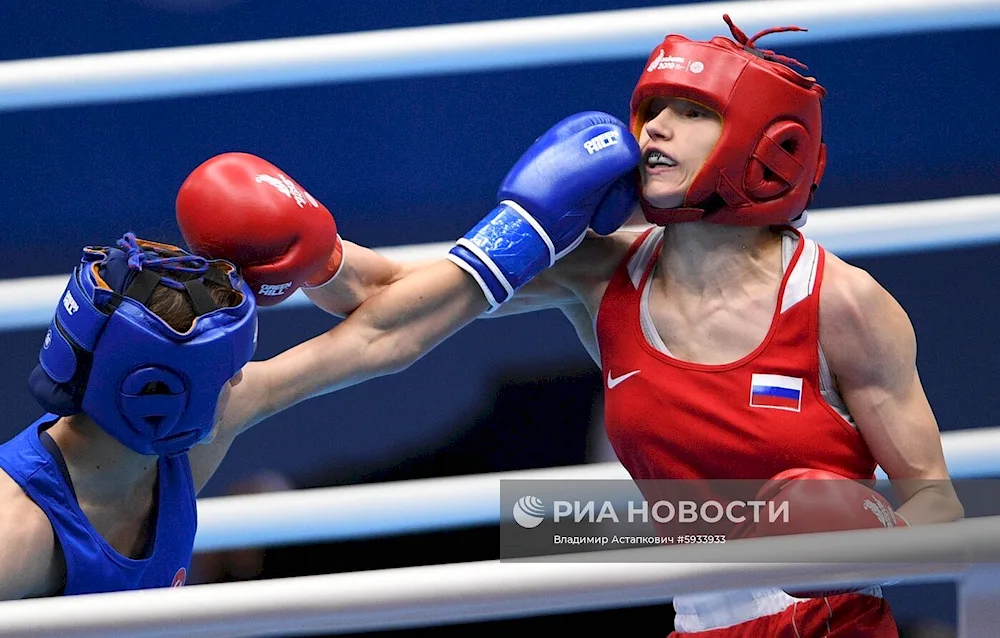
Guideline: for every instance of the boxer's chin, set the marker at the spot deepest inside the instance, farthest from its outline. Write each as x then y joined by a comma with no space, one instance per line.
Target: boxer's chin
660,197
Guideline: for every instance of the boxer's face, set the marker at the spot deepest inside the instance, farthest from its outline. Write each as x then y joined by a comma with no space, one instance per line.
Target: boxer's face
675,141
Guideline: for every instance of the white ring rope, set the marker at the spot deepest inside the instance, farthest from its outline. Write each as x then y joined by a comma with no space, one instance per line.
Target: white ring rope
489,590
426,505
863,230
469,47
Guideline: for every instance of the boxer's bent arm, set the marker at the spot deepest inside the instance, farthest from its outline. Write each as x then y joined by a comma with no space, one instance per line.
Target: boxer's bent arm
364,273
871,348
29,559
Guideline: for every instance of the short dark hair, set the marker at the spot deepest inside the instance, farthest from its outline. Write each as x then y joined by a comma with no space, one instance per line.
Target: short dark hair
174,307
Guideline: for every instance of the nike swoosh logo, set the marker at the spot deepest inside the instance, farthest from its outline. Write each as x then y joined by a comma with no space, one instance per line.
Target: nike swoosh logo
613,381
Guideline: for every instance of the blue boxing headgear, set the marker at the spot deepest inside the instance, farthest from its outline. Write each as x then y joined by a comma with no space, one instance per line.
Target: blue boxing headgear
107,355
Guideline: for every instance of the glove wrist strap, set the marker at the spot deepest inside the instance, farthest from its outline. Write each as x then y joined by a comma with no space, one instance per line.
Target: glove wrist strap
504,251
324,277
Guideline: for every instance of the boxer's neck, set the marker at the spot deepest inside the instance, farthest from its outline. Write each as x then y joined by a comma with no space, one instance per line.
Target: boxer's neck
102,468
703,258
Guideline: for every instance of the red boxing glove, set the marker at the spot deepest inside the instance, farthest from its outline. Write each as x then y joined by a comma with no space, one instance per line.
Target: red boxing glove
821,501
240,207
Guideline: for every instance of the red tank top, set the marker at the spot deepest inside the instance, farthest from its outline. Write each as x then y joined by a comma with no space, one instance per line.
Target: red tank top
749,419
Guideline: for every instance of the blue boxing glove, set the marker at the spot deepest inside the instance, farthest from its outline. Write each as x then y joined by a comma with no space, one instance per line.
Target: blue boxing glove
574,177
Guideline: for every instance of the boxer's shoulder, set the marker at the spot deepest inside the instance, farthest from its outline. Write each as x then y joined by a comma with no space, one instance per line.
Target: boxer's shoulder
27,544
851,296
859,320
586,271
594,261
845,283
21,514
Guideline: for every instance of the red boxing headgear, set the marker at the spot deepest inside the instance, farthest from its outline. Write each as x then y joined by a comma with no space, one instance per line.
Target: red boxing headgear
770,155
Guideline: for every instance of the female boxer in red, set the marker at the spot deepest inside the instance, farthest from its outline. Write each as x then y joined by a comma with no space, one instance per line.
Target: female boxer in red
732,346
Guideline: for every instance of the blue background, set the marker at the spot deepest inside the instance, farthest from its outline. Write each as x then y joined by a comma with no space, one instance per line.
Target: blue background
403,161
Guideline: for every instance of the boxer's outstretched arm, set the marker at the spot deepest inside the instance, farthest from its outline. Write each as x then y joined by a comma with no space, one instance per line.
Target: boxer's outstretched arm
386,334
870,345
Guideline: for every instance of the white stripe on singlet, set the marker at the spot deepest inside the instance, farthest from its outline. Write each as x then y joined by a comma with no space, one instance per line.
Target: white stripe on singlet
640,262
803,277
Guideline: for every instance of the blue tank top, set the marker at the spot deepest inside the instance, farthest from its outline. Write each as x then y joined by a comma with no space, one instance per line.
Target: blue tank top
92,565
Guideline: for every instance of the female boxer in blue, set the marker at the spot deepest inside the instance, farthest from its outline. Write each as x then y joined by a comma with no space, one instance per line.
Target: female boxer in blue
146,375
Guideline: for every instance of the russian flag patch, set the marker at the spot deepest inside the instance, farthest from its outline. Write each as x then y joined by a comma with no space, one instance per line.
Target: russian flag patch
776,391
